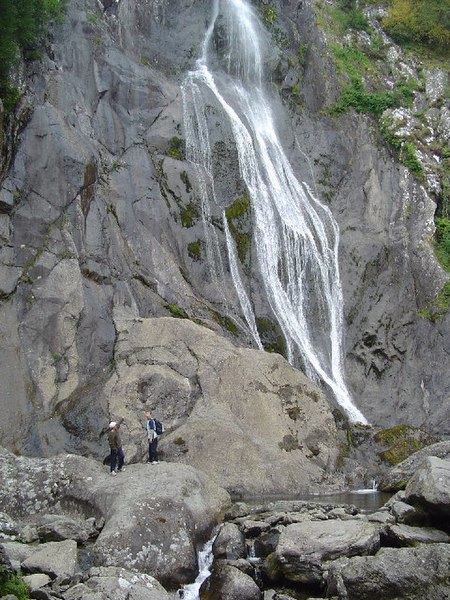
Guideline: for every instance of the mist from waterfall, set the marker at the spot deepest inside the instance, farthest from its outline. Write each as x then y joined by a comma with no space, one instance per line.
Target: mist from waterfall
295,236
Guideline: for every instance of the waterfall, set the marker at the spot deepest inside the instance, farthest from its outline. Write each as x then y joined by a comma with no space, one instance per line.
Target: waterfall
294,235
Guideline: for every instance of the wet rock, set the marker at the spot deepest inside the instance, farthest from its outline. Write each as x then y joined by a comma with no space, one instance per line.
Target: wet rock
228,583
229,543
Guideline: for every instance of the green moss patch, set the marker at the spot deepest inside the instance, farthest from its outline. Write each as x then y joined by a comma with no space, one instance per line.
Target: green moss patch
238,216
401,442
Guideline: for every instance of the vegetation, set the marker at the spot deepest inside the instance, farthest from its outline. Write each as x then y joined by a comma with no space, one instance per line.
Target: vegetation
237,215
12,584
415,22
189,214
443,241
177,311
402,441
176,148
195,250
22,25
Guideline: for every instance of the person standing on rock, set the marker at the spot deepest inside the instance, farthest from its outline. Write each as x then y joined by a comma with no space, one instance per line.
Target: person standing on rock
117,454
152,438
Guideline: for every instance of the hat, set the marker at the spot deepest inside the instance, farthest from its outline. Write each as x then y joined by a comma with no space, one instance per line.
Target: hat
112,424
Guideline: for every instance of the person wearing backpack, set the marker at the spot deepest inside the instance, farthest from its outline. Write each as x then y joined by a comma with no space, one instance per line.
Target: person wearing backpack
153,425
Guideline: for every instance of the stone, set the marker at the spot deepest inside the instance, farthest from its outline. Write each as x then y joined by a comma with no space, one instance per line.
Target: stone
36,581
55,528
406,535
56,559
429,488
114,583
304,549
229,543
404,513
137,507
398,477
393,573
228,583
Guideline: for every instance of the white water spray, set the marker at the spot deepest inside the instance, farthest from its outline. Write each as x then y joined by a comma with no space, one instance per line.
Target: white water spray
295,236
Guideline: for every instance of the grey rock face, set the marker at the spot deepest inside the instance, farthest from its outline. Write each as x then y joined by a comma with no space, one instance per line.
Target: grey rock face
98,215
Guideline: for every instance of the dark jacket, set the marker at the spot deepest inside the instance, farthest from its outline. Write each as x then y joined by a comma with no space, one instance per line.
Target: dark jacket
114,439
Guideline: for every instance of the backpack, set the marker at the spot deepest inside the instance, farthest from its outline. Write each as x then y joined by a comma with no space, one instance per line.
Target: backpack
159,427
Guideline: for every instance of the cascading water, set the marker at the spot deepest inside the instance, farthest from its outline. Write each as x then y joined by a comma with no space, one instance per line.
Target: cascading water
296,237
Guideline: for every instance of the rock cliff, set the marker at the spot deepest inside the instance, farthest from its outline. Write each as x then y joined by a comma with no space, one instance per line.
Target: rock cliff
101,238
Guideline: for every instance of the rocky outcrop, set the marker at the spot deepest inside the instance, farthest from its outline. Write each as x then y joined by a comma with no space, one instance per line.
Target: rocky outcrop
149,519
229,411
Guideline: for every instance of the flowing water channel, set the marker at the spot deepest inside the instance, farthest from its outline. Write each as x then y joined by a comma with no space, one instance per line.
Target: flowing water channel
295,236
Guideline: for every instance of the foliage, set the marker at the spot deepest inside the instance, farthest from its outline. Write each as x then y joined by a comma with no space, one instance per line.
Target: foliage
13,584
189,214
444,208
443,241
195,249
22,25
420,22
352,16
438,307
237,215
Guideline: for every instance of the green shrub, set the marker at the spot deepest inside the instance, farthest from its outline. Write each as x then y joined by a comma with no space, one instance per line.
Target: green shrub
238,217
11,583
195,249
443,241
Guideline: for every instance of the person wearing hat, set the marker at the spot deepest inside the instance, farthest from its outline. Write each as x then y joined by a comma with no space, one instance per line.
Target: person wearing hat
117,454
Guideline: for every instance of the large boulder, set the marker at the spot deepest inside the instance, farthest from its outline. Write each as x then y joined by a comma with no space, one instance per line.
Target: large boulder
397,477
410,573
227,582
304,549
229,411
429,488
154,515
55,559
115,583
